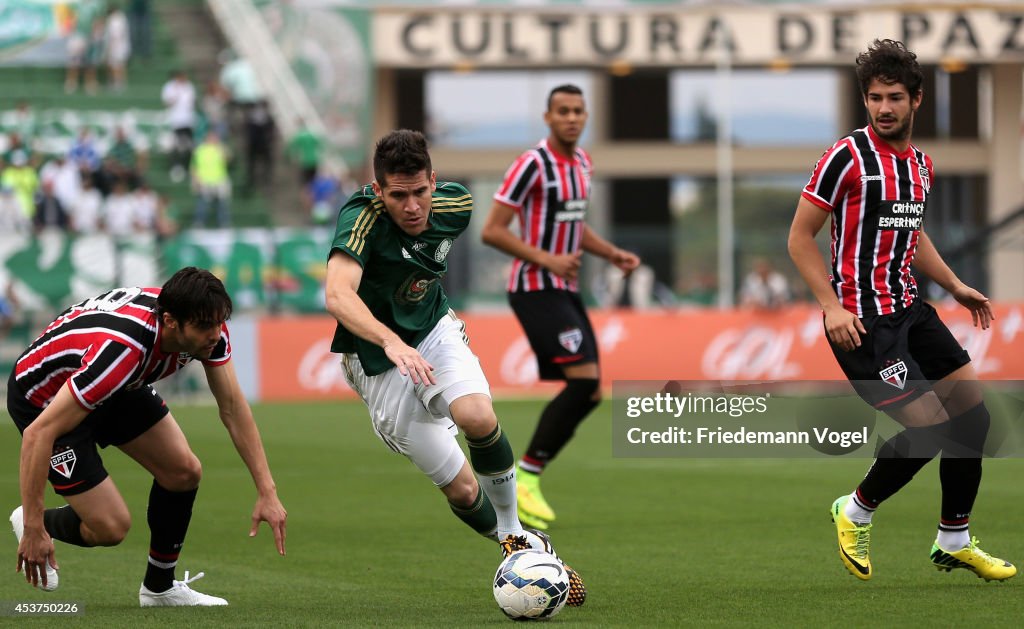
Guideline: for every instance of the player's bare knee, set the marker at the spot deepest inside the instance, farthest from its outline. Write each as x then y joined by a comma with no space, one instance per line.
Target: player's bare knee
474,415
461,492
110,529
479,426
184,477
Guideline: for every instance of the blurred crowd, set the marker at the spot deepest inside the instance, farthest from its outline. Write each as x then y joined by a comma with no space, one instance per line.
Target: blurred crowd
208,133
91,187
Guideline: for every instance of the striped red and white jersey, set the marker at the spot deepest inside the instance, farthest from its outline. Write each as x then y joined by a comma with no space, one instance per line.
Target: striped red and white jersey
101,346
877,198
550,193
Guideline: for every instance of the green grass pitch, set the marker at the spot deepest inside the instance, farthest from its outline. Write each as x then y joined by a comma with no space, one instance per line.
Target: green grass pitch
660,542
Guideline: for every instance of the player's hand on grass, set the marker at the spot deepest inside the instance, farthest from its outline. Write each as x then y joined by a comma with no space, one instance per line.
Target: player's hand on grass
270,510
625,261
34,551
843,327
409,362
979,305
565,266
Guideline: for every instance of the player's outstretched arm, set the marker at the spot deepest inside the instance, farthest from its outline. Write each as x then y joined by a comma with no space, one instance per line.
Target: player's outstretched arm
344,274
60,417
842,326
237,417
929,262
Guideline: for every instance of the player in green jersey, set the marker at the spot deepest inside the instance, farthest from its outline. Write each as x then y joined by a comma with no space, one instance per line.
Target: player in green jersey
406,353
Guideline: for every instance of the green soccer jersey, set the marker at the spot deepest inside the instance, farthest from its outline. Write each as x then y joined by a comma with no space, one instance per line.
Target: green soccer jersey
401,273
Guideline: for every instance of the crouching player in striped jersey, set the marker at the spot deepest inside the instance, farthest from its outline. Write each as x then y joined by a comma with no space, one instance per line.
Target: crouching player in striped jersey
406,353
86,381
892,346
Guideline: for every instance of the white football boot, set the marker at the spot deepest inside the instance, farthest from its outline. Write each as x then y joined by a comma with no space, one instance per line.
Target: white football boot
180,595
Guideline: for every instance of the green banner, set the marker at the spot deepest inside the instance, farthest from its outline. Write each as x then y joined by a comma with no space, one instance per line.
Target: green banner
271,269
52,270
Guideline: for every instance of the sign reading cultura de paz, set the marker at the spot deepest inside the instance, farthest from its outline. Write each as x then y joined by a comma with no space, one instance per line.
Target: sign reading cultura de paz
798,34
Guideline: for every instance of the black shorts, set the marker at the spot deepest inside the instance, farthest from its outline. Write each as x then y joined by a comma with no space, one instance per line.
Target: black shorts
75,464
557,326
900,356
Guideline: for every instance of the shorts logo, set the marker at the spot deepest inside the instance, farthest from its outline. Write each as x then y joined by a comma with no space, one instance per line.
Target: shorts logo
64,463
571,339
895,374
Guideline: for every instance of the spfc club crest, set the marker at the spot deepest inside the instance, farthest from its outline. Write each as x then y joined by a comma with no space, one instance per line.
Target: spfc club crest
926,181
571,339
895,374
63,463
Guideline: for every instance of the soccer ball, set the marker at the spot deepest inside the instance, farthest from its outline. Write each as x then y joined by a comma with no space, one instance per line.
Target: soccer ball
531,584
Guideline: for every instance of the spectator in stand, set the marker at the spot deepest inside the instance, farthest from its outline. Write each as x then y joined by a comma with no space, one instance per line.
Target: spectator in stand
84,211
118,47
66,178
764,287
151,211
83,152
179,96
13,217
215,108
210,180
140,27
78,44
21,121
49,211
94,55
119,216
123,161
323,196
304,149
259,145
240,80
22,178
8,309
15,144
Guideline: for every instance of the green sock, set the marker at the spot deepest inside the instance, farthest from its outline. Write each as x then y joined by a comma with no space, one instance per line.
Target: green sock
495,466
479,516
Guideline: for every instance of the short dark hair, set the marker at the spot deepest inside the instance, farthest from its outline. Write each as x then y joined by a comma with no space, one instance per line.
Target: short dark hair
401,152
890,62
195,296
567,88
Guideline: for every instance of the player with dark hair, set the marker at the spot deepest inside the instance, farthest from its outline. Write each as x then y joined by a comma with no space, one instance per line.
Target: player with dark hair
404,350
548,189
87,381
893,347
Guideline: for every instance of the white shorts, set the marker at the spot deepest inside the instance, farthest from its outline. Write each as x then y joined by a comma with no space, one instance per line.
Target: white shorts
414,420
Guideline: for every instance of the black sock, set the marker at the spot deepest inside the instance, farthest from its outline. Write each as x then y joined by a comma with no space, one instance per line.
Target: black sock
899,459
560,417
168,516
960,467
64,524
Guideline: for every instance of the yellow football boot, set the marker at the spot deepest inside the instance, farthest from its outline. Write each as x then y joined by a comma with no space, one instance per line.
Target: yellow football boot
530,499
854,540
976,560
